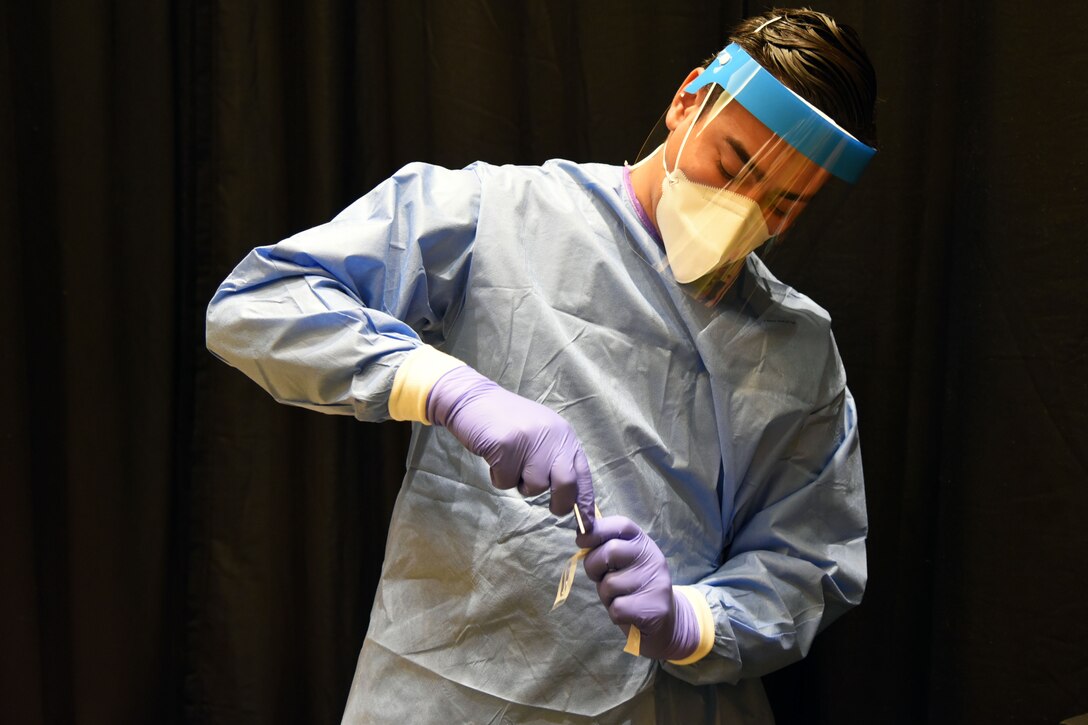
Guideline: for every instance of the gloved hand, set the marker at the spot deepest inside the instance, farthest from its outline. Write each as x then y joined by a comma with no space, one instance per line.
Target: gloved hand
526,444
633,583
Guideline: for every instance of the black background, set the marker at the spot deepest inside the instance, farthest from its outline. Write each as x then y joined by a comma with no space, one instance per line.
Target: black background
176,547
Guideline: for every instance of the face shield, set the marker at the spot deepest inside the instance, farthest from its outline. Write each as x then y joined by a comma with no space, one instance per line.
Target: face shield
741,166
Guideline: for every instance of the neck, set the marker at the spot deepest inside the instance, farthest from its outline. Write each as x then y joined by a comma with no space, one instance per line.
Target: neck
646,179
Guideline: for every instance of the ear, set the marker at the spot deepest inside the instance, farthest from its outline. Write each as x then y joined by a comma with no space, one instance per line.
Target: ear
683,102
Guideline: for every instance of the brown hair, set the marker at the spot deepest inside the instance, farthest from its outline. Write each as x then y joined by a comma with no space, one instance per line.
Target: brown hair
818,59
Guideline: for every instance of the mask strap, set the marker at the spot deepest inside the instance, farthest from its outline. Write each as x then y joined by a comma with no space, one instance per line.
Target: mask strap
723,100
687,134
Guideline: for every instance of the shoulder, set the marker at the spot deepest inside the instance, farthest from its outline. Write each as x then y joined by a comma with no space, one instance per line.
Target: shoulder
554,172
415,186
784,297
556,190
782,339
769,299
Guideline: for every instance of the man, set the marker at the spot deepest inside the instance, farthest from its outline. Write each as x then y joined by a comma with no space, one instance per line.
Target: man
578,337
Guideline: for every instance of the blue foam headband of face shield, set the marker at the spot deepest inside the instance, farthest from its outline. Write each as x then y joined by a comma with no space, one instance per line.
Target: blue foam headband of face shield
786,114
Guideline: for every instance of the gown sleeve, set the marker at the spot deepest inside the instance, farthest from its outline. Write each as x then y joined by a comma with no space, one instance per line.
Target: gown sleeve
323,319
797,558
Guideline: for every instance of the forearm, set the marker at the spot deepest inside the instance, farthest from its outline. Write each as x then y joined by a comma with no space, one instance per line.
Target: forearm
766,610
797,561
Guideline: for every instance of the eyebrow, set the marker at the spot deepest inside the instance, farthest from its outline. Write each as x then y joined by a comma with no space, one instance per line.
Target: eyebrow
746,159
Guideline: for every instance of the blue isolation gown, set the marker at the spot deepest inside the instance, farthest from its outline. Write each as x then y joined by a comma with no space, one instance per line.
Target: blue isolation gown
726,432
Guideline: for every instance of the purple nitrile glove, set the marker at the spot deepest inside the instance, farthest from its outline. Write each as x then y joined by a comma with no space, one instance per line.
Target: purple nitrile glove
634,584
526,444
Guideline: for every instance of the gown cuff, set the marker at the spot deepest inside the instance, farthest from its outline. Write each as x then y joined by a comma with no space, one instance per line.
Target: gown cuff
706,624
413,382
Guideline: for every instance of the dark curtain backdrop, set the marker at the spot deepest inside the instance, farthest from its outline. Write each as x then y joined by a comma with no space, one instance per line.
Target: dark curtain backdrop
176,547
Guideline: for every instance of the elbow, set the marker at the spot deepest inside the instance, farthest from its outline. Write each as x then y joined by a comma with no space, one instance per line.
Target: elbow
222,331
215,325
844,588
213,331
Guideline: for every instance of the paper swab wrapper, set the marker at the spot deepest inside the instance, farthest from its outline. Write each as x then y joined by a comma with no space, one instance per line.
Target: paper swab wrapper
566,582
